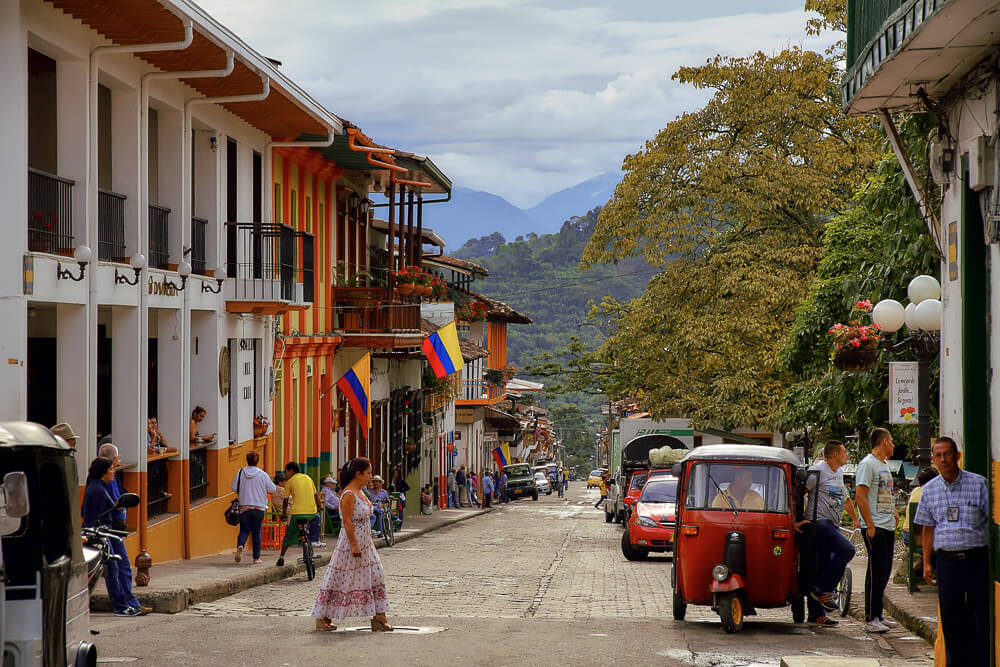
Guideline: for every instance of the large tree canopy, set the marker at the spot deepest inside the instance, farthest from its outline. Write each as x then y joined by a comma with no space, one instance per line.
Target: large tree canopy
731,200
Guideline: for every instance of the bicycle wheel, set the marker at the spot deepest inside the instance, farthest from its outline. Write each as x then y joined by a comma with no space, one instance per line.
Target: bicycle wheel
308,559
844,592
388,531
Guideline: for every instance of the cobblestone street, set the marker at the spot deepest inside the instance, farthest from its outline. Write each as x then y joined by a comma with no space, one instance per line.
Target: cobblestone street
544,579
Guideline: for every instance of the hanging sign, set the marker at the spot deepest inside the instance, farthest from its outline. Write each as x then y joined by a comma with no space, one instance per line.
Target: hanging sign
903,392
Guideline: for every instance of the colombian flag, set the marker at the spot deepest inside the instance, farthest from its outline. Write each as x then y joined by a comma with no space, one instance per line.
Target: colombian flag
356,386
442,350
502,455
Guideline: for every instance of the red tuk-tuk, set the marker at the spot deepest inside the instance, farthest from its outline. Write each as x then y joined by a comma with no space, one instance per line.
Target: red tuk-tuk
735,546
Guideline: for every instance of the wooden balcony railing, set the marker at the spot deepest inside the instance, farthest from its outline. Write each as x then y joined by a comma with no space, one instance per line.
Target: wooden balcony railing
375,310
481,390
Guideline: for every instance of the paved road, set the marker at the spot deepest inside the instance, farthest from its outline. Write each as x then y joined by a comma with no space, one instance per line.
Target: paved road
543,582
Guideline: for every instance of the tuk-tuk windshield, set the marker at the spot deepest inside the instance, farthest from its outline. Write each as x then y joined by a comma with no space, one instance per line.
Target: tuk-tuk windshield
743,487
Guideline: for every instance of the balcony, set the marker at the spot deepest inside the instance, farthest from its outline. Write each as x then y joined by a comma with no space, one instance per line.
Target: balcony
375,310
159,247
110,226
481,391
50,213
199,226
265,267
897,47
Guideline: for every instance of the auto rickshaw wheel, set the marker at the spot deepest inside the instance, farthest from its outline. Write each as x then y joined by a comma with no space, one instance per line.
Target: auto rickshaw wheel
731,611
680,606
798,608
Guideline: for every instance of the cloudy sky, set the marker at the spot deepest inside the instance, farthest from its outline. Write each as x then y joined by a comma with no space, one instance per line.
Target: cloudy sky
515,97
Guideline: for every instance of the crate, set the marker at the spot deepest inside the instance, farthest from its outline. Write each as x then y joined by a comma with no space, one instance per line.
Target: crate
271,535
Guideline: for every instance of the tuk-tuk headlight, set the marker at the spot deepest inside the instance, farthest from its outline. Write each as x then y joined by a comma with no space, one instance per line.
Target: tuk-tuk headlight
720,572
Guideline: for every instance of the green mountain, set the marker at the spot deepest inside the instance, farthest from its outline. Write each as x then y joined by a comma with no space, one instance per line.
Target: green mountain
540,276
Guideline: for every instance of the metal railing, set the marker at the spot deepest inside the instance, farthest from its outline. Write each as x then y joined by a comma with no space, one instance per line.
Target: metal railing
481,390
198,474
50,213
374,310
865,19
110,226
261,257
199,227
308,242
159,248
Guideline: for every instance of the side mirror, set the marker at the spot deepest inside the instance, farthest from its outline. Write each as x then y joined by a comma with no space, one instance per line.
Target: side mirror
127,500
675,470
13,502
629,500
801,474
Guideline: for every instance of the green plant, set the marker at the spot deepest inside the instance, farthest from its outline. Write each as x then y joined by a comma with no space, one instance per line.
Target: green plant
856,334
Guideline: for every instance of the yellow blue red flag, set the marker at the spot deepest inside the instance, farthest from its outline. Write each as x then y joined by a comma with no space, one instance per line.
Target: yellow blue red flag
443,352
502,455
356,386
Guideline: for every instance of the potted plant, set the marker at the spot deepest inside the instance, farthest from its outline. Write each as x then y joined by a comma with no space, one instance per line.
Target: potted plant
855,344
260,425
404,281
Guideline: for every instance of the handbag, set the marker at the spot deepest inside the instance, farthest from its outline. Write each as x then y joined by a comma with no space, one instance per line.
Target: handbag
232,513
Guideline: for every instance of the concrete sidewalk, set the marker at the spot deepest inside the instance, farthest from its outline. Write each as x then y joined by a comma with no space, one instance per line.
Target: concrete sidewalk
174,586
916,612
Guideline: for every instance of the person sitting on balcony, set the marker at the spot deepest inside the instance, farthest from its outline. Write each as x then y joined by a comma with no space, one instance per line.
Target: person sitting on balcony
155,441
197,416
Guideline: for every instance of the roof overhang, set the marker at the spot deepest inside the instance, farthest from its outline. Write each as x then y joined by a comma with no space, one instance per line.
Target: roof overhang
428,235
285,114
924,44
462,266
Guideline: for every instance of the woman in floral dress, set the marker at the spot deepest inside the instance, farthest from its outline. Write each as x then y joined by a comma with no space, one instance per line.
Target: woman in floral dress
354,584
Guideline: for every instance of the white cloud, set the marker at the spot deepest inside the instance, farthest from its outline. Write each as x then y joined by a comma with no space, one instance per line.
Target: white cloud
518,98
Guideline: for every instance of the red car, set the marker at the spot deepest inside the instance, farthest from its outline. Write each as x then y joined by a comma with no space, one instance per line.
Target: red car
635,485
650,528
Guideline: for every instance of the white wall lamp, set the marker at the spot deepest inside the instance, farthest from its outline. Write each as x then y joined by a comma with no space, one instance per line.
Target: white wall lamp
82,255
138,263
220,277
183,270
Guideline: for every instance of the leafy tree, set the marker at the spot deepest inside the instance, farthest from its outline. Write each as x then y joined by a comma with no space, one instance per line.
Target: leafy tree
730,201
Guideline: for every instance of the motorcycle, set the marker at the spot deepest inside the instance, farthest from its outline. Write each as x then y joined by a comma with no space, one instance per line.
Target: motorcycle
97,542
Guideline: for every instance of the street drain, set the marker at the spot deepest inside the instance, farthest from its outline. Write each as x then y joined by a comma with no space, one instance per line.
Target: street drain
399,630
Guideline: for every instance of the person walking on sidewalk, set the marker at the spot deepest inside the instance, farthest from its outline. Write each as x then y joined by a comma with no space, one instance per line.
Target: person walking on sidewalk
251,484
828,498
354,583
471,484
502,485
487,490
878,523
460,486
452,489
604,491
953,515
560,478
300,501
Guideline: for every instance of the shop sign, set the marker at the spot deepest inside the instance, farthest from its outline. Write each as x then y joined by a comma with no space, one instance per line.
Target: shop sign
903,392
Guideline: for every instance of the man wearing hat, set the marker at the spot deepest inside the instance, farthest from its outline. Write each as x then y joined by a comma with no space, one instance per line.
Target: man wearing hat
65,431
380,499
331,501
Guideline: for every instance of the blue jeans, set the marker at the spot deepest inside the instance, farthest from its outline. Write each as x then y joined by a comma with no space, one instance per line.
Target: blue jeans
250,523
452,498
314,528
833,553
376,515
118,577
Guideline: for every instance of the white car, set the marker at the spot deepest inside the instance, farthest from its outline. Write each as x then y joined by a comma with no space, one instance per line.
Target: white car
542,482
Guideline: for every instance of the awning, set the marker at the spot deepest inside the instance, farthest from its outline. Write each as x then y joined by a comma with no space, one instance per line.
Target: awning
428,235
730,437
518,385
501,419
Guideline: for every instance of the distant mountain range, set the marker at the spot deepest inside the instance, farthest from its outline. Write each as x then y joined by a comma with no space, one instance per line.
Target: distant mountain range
474,213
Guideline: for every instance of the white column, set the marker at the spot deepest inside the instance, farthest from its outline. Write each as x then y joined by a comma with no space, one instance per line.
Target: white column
172,413
74,394
14,194
128,416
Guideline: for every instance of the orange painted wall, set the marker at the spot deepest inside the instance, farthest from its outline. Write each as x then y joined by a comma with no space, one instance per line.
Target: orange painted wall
210,534
165,540
497,340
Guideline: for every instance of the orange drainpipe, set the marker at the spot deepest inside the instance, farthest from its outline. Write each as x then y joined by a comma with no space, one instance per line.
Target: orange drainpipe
419,184
388,152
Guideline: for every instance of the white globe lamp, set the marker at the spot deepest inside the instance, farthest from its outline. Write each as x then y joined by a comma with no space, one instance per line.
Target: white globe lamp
922,288
908,315
889,315
927,315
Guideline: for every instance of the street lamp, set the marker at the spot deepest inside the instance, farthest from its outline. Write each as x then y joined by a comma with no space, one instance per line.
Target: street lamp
922,317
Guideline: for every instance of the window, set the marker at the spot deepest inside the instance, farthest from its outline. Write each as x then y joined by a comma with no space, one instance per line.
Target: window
743,487
42,106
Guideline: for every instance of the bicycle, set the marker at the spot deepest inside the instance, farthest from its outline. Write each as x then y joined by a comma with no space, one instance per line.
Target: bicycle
308,557
386,529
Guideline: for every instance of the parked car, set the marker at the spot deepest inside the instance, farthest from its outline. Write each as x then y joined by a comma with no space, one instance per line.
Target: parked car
652,523
520,481
542,482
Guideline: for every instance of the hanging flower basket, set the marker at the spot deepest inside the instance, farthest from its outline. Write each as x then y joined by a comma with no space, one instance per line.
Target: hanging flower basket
855,359
410,446
406,289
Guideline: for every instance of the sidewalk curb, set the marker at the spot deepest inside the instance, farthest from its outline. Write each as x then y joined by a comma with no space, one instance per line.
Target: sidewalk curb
177,600
919,627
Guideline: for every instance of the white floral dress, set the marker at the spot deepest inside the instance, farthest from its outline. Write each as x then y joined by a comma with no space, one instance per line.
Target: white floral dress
353,587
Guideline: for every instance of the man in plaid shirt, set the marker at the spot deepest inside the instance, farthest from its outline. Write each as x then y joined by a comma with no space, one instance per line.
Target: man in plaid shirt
953,513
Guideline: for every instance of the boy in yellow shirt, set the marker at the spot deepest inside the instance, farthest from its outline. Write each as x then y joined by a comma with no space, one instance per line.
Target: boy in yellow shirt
300,501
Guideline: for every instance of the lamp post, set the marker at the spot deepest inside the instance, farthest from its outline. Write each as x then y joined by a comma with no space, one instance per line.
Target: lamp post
922,317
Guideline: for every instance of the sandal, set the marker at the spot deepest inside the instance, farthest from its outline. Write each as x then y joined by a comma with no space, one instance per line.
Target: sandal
381,624
325,625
